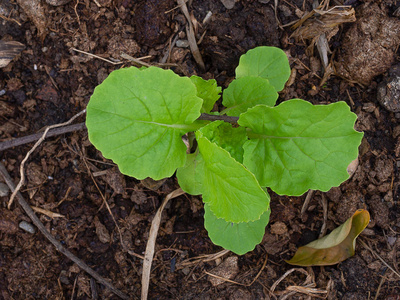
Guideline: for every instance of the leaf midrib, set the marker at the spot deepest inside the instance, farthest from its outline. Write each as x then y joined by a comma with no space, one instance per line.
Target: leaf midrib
174,126
255,136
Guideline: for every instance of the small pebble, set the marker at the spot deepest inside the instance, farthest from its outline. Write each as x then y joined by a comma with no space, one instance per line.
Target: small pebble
4,190
229,4
388,94
391,240
2,92
28,227
186,271
57,2
182,43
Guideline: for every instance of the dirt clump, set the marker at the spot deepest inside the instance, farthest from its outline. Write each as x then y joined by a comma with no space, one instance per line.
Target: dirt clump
369,45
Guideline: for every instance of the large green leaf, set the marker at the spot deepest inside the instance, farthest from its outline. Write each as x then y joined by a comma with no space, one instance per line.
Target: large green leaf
208,91
190,176
266,62
247,92
296,146
137,118
237,237
232,192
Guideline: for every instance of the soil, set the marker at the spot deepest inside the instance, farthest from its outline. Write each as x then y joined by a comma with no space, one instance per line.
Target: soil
49,82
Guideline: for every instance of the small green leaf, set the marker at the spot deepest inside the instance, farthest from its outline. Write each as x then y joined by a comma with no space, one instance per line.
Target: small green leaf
237,237
246,92
231,191
190,176
208,91
227,137
138,122
266,62
336,246
297,146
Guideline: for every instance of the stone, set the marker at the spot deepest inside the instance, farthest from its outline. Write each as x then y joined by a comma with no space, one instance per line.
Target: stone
388,94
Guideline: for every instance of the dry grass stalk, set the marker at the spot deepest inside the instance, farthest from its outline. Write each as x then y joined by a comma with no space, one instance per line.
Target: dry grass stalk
319,22
149,254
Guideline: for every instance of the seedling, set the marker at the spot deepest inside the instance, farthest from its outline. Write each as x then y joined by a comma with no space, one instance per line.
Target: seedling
137,118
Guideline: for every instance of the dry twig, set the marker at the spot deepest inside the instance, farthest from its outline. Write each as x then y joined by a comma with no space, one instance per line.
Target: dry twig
377,256
308,287
21,169
55,242
104,201
238,283
10,19
98,57
325,210
34,137
202,258
306,202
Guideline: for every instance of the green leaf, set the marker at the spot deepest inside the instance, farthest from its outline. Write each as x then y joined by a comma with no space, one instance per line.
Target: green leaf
266,62
237,237
137,118
231,191
227,137
296,146
335,247
190,176
208,91
246,92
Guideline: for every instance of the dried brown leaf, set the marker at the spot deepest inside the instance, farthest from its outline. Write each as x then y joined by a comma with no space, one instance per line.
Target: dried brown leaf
336,246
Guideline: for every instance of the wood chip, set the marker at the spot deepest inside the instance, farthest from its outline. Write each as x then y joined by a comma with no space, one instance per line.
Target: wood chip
8,50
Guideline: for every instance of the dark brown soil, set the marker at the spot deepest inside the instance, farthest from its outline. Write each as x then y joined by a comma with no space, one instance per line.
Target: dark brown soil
49,82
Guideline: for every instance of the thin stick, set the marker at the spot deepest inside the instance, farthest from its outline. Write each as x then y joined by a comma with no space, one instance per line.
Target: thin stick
34,137
377,255
273,287
104,201
378,290
306,202
325,210
56,243
98,57
10,19
202,258
223,278
21,169
190,35
148,256
238,283
135,60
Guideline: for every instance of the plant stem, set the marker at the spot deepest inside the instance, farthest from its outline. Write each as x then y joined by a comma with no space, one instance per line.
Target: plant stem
209,117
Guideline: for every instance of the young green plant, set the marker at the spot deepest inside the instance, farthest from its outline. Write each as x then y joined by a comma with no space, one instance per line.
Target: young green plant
137,118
